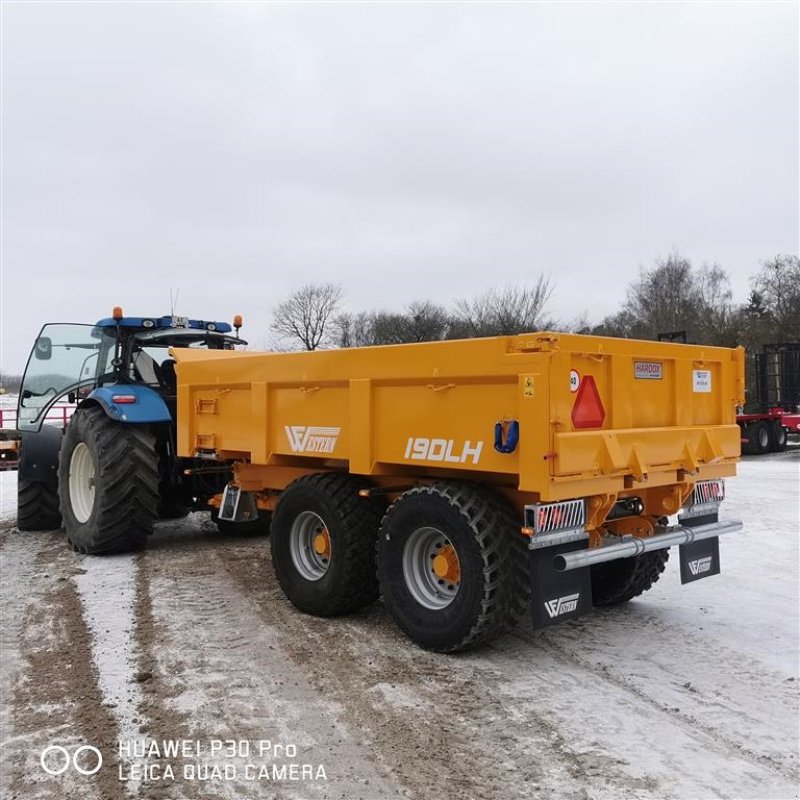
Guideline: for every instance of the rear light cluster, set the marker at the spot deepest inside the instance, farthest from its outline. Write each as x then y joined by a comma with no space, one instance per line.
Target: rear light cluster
705,499
569,515
708,492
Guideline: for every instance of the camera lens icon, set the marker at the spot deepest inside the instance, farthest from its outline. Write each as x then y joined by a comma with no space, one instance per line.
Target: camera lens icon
61,760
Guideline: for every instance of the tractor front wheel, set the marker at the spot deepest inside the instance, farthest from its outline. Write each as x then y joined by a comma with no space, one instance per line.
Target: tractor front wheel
37,506
108,483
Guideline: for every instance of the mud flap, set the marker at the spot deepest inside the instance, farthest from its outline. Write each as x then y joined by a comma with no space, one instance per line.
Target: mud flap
558,596
699,559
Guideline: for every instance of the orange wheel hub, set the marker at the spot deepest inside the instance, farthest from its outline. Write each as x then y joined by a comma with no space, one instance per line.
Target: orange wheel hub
446,564
322,543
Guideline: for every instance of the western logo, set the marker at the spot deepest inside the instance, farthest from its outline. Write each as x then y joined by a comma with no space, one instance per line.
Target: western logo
700,566
312,438
561,605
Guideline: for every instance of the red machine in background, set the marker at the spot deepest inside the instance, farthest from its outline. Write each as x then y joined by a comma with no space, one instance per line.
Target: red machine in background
777,397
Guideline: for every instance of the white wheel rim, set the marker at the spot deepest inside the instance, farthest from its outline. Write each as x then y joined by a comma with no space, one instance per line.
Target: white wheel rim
81,482
425,586
308,561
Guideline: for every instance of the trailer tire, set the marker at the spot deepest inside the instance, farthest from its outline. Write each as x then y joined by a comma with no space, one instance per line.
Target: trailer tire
108,483
492,592
255,527
779,437
616,582
759,435
323,544
37,506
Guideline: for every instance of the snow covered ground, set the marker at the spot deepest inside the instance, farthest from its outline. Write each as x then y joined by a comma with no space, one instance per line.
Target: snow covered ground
688,692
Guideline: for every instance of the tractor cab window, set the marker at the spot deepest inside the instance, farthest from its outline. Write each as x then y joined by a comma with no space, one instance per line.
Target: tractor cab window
64,359
155,367
146,368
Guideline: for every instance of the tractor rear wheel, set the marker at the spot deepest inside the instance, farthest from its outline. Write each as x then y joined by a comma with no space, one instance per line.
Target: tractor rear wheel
615,582
323,544
108,483
452,566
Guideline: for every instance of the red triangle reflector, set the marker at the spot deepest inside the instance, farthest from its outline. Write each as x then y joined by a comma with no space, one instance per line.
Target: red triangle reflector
588,411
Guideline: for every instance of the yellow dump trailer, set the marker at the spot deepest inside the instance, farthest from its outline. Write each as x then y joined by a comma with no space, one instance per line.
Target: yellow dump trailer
491,474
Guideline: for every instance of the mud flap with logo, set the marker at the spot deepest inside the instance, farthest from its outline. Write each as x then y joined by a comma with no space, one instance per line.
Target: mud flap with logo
699,559
558,596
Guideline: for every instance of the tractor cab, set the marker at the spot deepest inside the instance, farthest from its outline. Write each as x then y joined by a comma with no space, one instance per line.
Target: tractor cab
122,363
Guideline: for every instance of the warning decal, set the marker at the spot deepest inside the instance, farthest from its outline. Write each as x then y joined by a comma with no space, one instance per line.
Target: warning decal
527,387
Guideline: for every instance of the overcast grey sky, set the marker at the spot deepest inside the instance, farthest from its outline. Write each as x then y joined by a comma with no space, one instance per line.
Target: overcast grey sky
406,151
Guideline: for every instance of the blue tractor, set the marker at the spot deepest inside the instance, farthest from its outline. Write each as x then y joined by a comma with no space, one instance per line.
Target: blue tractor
112,472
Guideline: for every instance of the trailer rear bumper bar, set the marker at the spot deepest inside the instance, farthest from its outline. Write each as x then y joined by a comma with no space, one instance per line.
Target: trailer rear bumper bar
634,546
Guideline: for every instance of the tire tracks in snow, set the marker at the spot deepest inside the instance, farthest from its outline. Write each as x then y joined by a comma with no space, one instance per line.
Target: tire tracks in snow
436,721
159,718
57,700
713,736
227,668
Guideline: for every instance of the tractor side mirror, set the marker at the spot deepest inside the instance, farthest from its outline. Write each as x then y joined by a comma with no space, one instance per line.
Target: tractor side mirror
43,349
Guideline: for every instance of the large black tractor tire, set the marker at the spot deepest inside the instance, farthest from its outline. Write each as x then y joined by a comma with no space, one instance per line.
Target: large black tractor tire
37,506
37,480
452,566
615,582
255,527
778,437
108,483
323,544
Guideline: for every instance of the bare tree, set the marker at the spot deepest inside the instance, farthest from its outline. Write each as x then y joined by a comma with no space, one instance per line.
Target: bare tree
502,312
777,291
425,322
306,316
421,321
364,329
673,296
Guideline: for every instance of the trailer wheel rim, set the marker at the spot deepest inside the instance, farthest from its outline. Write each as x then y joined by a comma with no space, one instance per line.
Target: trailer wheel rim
81,482
431,575
310,545
763,436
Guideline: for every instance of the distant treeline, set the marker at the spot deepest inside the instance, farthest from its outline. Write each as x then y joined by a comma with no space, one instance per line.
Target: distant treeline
671,296
10,383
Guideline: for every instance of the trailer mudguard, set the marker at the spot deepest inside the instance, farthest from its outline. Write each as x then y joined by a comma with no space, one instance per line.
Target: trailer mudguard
38,457
129,402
